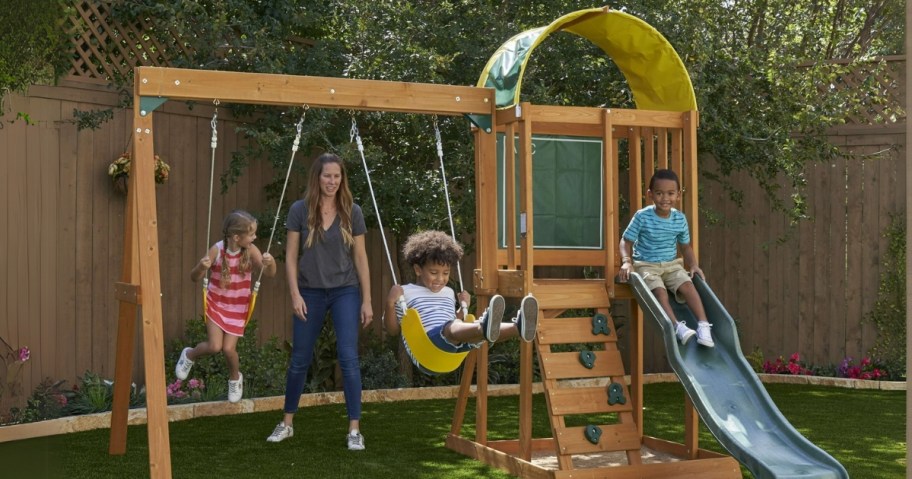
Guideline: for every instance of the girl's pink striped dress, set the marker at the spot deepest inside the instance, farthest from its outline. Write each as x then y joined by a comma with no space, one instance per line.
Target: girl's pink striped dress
228,306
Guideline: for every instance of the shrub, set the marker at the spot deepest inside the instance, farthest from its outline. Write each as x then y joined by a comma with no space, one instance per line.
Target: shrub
864,370
781,366
379,365
48,401
94,394
889,313
263,366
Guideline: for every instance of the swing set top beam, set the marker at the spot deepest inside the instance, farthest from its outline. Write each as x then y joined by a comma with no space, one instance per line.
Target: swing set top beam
327,92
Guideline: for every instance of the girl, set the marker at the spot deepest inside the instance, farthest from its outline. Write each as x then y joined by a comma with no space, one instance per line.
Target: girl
232,262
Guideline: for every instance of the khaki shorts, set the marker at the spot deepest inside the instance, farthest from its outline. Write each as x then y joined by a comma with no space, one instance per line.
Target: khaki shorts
669,274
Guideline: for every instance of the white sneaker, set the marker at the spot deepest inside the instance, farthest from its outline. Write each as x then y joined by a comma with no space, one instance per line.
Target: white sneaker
184,364
493,316
355,442
280,433
704,336
684,333
236,389
527,318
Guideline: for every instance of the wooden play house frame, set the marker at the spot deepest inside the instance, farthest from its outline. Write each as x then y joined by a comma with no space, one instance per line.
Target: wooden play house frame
653,138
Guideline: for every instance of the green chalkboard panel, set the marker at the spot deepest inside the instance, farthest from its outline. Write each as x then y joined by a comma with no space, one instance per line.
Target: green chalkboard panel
567,191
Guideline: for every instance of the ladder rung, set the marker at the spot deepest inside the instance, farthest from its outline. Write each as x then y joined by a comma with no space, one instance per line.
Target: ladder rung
591,400
568,365
572,330
571,293
615,437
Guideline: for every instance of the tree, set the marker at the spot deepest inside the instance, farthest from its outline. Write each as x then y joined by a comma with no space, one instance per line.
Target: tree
32,51
758,67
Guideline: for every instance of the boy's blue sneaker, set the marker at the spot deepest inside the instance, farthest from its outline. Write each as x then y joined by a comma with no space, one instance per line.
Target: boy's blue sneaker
490,323
527,318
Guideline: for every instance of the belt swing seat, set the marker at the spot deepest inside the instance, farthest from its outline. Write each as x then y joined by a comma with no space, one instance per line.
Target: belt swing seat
416,340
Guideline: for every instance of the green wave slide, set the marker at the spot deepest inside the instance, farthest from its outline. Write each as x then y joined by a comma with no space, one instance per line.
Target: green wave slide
730,398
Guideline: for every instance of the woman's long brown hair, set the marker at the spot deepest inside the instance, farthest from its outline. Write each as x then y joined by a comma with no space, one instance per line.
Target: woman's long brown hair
344,201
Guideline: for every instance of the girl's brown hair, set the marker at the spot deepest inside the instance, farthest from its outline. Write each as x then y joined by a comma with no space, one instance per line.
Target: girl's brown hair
238,222
344,201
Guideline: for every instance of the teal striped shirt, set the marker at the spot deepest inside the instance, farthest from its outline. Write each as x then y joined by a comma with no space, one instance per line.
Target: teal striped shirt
655,239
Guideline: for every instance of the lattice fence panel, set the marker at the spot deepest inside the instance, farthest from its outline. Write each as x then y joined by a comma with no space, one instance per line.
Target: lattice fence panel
106,50
881,84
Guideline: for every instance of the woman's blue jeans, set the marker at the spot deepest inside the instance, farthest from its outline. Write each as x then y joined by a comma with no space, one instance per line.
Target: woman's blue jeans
344,305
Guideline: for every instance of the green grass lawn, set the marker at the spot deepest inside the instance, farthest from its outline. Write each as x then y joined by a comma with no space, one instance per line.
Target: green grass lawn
863,429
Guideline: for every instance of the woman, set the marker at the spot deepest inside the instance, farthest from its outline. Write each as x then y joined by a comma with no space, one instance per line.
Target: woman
326,262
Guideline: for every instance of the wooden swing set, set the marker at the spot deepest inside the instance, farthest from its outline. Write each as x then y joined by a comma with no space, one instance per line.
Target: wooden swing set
507,258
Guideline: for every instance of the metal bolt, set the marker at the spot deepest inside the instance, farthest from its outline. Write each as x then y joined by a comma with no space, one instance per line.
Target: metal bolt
148,131
142,112
177,82
332,91
458,99
145,80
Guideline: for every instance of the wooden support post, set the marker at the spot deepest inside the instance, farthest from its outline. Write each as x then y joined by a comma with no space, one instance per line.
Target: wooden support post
481,395
142,181
527,248
636,364
609,200
510,194
128,296
691,429
486,190
691,191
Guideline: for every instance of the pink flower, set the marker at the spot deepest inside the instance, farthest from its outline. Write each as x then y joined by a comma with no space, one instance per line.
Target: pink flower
795,358
61,400
195,384
24,354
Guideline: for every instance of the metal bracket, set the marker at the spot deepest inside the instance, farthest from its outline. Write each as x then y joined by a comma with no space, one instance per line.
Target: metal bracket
148,104
481,121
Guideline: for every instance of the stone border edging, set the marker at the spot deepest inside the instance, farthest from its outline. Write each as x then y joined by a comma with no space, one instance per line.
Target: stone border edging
181,412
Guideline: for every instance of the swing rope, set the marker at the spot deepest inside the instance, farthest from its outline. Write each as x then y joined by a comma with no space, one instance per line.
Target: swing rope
446,192
294,150
213,143
299,127
356,136
415,338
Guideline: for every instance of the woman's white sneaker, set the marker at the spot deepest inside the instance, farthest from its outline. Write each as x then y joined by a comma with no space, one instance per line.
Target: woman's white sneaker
281,433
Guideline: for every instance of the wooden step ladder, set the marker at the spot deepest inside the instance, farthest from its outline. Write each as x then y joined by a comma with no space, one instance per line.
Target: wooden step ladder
558,369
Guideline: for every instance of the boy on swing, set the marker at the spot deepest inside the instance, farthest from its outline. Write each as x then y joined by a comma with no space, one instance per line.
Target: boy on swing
432,254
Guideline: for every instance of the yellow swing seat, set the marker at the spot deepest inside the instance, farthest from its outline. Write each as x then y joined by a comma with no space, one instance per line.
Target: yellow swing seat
428,355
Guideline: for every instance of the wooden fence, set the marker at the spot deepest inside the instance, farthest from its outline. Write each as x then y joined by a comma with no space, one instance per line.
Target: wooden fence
807,288
64,245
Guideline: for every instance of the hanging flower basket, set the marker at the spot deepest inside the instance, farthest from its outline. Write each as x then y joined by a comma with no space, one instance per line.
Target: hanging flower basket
119,171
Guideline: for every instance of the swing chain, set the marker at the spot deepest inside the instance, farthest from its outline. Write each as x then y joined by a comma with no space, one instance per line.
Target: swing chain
299,127
354,135
214,124
439,140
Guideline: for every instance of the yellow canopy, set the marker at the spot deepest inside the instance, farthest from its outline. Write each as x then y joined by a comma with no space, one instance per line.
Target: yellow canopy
654,72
